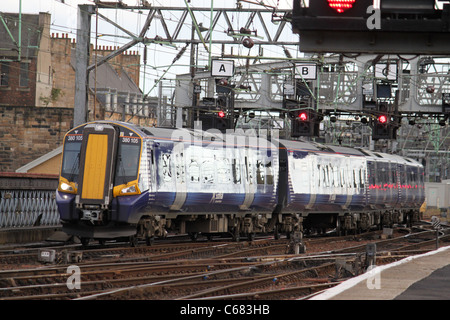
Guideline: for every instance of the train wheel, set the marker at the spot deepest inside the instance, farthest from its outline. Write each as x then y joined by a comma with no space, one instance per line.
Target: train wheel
251,236
133,241
149,240
193,236
408,221
236,234
338,227
85,241
276,232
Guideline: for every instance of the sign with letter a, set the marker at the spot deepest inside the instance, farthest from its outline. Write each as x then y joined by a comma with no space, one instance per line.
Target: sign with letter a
222,68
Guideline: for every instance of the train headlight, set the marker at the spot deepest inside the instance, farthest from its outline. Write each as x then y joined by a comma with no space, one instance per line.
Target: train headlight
131,188
66,186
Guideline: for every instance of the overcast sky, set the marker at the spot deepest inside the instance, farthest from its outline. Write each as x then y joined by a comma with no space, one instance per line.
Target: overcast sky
64,20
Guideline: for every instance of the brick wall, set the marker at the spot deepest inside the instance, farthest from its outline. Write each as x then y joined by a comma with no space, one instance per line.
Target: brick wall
63,71
14,94
27,133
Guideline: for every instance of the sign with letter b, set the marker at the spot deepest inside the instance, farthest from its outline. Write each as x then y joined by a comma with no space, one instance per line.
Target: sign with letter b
306,71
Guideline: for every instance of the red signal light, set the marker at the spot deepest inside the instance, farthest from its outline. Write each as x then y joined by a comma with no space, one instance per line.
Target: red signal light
303,116
382,119
221,114
341,5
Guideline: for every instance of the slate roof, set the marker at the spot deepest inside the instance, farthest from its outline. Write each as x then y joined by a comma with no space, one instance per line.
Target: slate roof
107,77
31,34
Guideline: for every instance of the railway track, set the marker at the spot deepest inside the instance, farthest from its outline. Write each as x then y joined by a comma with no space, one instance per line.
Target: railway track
262,269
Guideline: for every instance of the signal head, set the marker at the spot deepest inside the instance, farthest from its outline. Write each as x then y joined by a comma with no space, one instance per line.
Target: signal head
303,116
341,5
383,119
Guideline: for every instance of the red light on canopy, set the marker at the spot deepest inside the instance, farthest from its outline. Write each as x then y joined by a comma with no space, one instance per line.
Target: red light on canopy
382,119
221,114
341,5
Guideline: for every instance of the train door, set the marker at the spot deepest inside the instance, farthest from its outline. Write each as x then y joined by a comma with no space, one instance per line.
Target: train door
421,185
407,184
283,178
391,183
396,181
371,196
307,179
349,188
97,165
384,181
249,178
178,156
401,184
392,196
413,180
302,188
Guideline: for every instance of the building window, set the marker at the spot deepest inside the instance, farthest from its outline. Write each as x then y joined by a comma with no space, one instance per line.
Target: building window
4,74
23,74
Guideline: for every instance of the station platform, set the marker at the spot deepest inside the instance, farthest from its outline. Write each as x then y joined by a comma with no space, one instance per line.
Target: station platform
421,277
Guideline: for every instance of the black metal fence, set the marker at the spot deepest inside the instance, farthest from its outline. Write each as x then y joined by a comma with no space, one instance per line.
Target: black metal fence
28,200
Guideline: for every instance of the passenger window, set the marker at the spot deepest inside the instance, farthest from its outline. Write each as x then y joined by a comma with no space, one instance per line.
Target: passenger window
362,174
207,172
223,171
236,170
249,170
269,173
194,171
319,180
166,170
260,174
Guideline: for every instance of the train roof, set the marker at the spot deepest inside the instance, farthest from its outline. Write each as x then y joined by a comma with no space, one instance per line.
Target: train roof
320,148
165,133
377,156
209,136
348,151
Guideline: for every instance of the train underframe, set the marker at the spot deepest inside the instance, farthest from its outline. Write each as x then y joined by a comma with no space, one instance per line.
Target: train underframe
350,222
244,225
239,226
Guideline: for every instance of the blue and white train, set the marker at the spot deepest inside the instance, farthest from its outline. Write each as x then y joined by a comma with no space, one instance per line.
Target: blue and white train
120,180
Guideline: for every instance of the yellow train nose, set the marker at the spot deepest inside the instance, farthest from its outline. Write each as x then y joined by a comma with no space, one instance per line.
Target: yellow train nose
95,167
